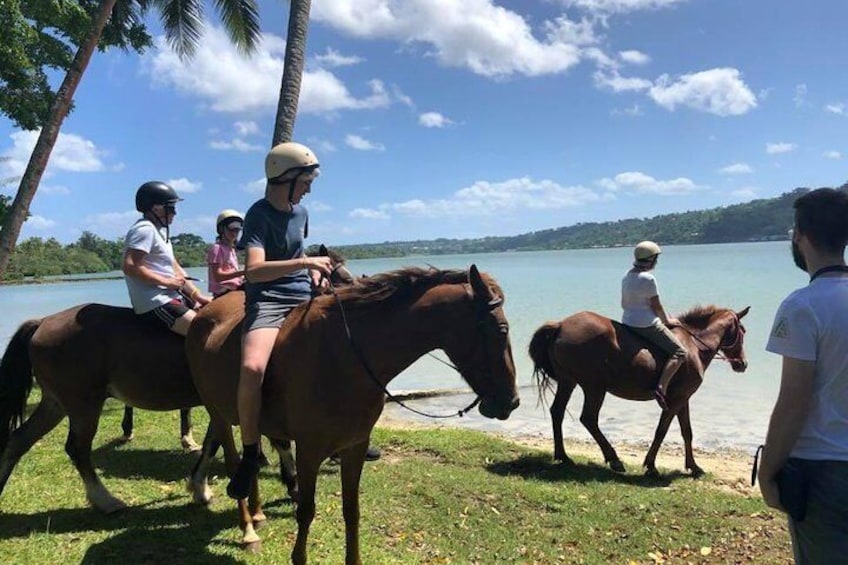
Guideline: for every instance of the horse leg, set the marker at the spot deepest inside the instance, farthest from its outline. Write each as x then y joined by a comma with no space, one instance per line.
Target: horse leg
563,395
659,435
352,459
592,402
198,485
288,472
83,426
308,463
186,438
686,432
127,424
46,416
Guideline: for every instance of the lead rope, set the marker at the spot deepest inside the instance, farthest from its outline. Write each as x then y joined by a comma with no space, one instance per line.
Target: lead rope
377,382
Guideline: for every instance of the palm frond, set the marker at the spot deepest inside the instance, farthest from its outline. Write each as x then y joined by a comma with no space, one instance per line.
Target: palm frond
241,21
183,24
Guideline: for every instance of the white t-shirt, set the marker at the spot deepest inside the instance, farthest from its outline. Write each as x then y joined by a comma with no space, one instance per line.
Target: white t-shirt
637,289
812,325
144,236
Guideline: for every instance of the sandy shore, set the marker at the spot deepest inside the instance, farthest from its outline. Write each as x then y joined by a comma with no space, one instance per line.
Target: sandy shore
728,470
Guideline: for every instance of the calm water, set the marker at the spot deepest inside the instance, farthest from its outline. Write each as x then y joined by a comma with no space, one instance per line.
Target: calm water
730,409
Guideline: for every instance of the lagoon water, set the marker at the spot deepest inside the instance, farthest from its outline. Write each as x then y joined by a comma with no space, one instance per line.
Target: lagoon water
730,410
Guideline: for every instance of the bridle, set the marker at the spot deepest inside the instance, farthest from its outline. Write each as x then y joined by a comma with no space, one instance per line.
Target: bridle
721,351
480,311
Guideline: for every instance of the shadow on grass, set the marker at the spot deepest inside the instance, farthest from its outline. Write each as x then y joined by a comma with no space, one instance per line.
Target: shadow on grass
541,467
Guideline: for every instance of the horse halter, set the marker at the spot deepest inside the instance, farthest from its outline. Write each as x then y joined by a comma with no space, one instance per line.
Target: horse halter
480,313
738,335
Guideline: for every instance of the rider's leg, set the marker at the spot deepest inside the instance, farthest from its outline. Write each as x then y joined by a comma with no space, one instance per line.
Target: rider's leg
257,345
182,323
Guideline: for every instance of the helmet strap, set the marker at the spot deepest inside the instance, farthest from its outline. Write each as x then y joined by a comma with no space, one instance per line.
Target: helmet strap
159,224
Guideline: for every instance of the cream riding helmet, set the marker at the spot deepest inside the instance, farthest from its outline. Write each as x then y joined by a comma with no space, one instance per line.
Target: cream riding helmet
288,162
227,219
645,252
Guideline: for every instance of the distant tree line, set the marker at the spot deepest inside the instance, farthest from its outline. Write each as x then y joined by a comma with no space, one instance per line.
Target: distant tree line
759,220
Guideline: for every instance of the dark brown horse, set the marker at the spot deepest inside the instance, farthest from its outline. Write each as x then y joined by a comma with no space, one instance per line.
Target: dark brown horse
326,392
80,357
602,355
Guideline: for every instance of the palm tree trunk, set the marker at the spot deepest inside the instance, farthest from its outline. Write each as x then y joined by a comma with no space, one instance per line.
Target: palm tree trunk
292,70
47,138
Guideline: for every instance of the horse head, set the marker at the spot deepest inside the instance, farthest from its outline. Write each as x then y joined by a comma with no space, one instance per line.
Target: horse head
340,275
732,341
482,351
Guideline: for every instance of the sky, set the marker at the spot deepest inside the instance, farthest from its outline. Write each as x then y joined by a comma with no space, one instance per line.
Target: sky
462,119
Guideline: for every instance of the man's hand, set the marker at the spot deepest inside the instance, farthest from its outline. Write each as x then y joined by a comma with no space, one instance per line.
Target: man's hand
771,495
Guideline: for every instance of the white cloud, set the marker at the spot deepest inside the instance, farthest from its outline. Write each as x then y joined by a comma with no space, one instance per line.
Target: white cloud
632,111
362,144
255,186
321,145
235,145
57,190
433,120
37,222
620,6
718,91
183,185
635,181
110,224
245,128
745,193
780,147
835,155
333,58
837,108
228,82
618,83
485,198
72,153
368,214
736,169
488,39
634,57
800,97
318,206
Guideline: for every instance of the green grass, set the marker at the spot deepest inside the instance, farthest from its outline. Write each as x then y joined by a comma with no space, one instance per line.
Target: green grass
436,496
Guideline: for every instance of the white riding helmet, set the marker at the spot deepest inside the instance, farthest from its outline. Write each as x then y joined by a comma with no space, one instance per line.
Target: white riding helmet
645,251
226,217
287,158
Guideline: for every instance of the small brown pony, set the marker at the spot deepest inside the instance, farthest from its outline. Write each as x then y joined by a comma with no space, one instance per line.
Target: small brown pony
80,357
326,391
602,355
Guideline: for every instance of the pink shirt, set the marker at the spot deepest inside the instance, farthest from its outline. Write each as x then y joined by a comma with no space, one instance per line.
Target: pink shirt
222,254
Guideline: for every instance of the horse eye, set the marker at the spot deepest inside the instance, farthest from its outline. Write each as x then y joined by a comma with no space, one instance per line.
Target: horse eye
503,328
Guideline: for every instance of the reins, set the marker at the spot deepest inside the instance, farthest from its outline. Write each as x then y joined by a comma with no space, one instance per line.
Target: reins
361,356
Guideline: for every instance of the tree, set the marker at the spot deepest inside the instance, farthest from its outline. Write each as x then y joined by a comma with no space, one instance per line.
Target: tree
181,20
292,70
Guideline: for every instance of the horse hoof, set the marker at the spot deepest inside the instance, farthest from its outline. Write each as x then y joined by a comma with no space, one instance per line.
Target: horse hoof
126,438
200,496
112,506
652,473
259,520
697,472
253,546
565,461
617,466
189,444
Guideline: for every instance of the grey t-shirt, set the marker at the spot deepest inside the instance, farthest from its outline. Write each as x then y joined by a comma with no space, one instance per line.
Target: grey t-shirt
144,236
281,235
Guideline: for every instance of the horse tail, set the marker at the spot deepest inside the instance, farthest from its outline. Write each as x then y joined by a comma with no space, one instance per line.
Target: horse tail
540,353
15,380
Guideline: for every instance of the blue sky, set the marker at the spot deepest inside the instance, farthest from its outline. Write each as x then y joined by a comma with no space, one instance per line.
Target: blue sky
441,118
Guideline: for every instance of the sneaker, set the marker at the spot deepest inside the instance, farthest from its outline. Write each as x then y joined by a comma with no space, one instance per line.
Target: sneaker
239,486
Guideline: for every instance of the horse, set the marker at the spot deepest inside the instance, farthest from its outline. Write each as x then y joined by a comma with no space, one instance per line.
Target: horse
81,356
602,355
326,380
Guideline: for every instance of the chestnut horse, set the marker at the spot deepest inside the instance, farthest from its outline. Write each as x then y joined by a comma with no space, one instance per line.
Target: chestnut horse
602,355
326,391
80,357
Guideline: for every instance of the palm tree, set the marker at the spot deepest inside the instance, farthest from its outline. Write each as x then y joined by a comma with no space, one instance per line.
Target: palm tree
292,70
182,21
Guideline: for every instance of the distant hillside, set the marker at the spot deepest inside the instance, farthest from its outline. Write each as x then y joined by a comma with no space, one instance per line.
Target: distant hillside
758,220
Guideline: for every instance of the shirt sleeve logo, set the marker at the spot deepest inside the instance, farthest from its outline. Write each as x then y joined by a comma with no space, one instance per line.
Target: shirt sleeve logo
780,329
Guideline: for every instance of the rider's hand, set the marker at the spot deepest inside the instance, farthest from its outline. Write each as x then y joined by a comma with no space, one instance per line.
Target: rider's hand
321,264
174,283
201,300
672,322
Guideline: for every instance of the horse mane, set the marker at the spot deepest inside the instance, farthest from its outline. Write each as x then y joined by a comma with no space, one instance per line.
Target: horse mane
699,316
402,284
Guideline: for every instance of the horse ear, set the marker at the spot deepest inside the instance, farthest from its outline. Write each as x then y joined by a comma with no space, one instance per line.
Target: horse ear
477,285
323,251
741,313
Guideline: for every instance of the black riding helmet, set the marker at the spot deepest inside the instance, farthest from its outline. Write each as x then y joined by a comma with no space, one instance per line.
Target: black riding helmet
152,193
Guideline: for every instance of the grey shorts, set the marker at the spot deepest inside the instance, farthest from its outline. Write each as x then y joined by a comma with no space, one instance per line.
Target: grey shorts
267,313
662,337
822,536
